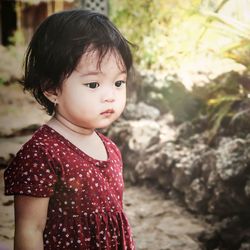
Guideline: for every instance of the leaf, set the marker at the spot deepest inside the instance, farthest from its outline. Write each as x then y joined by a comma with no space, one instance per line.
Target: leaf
221,109
217,123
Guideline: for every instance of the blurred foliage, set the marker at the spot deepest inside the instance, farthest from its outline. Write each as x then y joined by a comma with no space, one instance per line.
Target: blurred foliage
171,94
17,39
166,32
226,93
184,104
235,30
222,97
2,81
169,32
149,24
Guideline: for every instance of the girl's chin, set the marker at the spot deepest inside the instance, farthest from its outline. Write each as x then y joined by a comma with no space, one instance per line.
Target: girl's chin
105,124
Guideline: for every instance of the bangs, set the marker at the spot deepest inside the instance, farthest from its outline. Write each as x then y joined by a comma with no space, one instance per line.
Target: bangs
106,51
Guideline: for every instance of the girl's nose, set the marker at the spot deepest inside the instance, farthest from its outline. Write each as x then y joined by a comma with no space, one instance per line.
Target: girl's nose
109,95
109,99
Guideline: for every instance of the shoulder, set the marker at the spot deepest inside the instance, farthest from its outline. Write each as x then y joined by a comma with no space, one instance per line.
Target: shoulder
43,139
34,152
32,167
36,142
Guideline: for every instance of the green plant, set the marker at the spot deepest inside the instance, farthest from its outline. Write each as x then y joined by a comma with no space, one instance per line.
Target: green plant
1,81
151,25
170,32
17,38
222,96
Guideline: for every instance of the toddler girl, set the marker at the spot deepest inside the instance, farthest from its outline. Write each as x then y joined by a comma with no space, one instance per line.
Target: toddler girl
67,179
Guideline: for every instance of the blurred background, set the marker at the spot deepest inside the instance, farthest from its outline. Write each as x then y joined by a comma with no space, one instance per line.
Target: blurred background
185,134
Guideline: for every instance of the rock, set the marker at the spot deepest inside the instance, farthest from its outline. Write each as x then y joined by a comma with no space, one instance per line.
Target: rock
136,134
233,232
247,189
240,122
245,246
139,111
198,193
228,199
208,159
167,129
229,233
133,138
208,167
142,133
186,169
156,165
210,180
233,158
185,130
196,196
141,140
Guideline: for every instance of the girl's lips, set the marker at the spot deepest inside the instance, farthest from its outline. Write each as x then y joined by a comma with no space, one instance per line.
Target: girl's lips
108,112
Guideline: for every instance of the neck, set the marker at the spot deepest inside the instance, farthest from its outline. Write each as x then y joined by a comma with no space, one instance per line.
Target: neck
68,125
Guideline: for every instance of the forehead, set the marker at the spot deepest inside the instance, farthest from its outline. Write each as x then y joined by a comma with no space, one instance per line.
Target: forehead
94,60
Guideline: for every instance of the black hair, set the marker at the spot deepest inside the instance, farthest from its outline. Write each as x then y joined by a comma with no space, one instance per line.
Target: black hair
58,44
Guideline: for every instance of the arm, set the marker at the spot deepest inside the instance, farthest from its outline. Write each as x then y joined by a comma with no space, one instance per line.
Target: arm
30,220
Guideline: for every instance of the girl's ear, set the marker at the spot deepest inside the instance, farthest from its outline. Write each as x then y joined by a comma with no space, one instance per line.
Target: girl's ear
51,95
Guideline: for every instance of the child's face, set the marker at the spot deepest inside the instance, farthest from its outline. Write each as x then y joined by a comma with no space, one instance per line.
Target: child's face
92,96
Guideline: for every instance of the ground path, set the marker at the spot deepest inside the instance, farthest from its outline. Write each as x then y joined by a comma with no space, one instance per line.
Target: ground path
158,223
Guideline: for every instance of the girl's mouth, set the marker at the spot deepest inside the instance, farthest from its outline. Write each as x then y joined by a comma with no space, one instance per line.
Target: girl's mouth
107,112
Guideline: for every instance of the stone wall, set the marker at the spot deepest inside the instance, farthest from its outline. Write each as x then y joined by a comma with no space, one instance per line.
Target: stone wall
212,181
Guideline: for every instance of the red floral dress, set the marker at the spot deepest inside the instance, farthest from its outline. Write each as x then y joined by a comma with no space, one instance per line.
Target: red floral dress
85,208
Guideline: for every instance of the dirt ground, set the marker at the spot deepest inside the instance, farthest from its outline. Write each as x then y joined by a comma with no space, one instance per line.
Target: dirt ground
157,223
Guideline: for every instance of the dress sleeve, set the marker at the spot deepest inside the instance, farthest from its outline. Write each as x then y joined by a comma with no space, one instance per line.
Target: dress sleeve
31,173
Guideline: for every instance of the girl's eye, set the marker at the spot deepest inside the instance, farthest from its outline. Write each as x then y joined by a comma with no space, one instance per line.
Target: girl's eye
92,85
119,83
